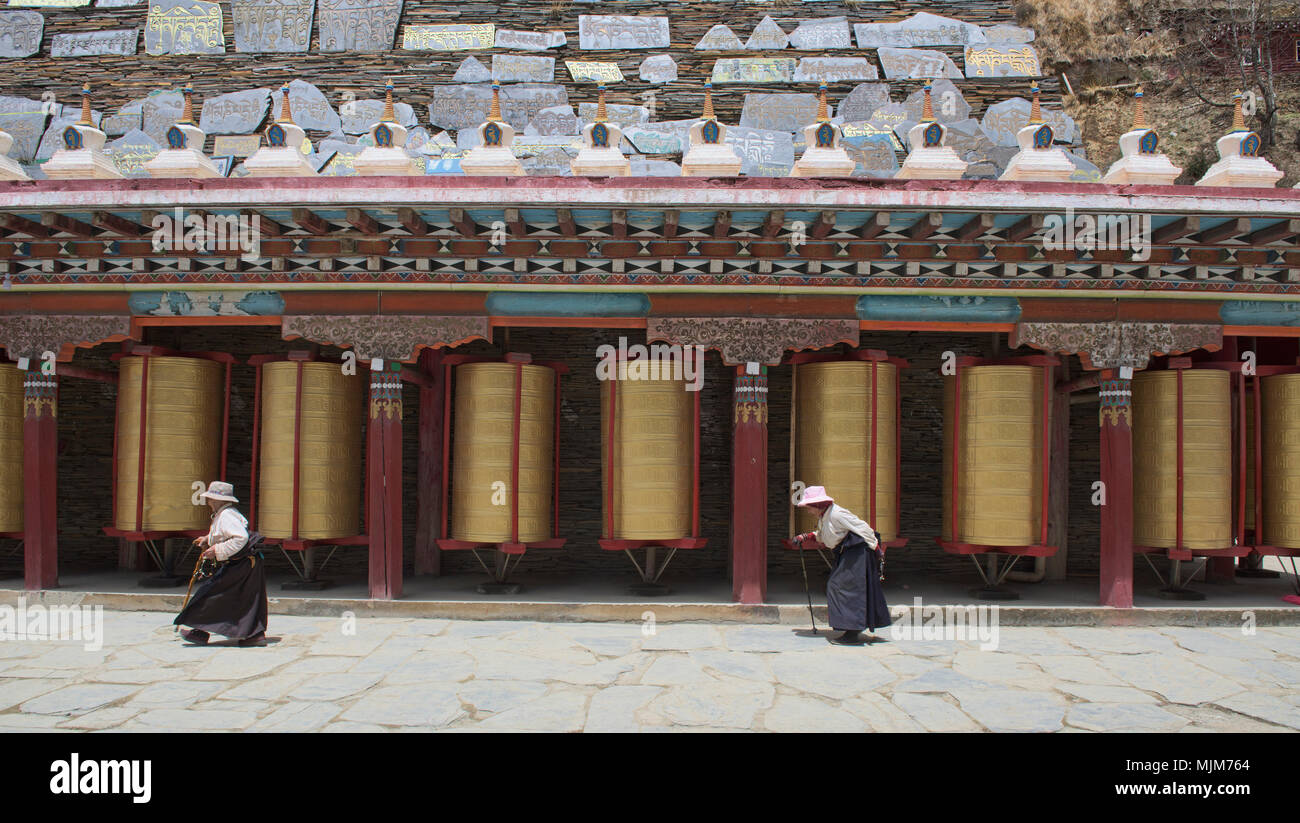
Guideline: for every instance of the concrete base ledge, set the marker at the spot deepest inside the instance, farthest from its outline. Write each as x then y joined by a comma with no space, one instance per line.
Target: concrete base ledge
667,612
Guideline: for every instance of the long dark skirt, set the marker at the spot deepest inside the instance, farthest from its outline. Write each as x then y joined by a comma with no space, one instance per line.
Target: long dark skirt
853,593
232,602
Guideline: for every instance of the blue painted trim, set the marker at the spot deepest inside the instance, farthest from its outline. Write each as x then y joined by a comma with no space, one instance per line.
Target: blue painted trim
1259,313
205,303
919,307
567,304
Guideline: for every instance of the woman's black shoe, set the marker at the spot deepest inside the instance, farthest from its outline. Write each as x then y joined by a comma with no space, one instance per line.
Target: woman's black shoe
258,639
848,638
196,636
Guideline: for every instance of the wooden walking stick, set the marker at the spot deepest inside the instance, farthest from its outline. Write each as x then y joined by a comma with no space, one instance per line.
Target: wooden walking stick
194,576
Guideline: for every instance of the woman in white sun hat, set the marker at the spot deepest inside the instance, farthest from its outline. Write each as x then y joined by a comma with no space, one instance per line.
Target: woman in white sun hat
231,602
854,596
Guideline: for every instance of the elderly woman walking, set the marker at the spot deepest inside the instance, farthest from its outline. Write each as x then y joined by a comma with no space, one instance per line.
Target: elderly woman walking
854,596
232,601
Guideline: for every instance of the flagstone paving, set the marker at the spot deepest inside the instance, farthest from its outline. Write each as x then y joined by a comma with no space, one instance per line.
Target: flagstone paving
391,674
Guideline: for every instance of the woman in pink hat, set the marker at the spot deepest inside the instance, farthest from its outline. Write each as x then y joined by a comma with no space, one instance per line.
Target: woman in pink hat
854,596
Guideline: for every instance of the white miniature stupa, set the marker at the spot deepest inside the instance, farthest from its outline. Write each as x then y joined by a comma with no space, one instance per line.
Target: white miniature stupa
927,157
1143,162
824,156
82,154
1038,159
9,168
282,155
1239,162
708,154
493,155
387,155
184,155
600,155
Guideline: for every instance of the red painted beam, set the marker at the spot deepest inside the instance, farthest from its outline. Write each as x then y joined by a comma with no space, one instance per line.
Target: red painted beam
565,219
412,222
876,224
116,225
1176,230
310,222
515,222
67,225
670,224
975,227
21,225
722,225
1025,227
265,225
773,223
363,222
1281,230
40,481
926,226
618,225
1226,230
823,225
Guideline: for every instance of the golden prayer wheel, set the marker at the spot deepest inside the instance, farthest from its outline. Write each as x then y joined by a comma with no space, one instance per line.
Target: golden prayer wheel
503,457
11,449
170,434
1249,492
995,453
1196,445
309,451
648,458
1280,459
845,436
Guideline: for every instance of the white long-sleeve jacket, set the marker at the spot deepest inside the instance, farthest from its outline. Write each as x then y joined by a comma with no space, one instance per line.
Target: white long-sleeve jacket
228,532
836,523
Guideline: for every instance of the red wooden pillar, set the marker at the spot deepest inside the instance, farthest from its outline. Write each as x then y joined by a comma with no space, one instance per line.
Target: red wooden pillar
428,559
749,486
384,482
40,480
1116,419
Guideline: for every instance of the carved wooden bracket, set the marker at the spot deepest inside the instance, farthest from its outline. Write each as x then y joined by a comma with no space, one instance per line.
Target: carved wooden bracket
390,336
31,335
752,339
1117,343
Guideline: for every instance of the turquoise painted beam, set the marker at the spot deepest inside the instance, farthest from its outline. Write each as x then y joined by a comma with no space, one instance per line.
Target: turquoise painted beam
1259,313
936,309
205,303
567,304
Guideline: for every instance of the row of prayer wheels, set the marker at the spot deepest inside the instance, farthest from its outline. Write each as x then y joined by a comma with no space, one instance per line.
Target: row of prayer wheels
845,424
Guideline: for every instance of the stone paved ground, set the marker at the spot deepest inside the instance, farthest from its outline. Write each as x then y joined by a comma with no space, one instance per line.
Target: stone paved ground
425,674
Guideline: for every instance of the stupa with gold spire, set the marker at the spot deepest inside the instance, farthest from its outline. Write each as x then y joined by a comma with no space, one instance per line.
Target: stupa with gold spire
282,155
1142,161
494,154
1239,162
708,154
82,154
824,156
387,153
927,157
184,155
1038,159
9,168
600,155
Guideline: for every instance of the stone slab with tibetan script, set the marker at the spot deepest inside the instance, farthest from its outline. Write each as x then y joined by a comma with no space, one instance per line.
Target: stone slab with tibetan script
239,112
588,72
514,68
754,70
20,33
357,25
472,70
235,145
834,70
359,115
921,29
530,40
184,27
453,37
92,43
999,60
116,125
131,151
25,122
605,32
311,109
466,106
822,33
275,26
763,152
658,68
719,38
779,112
917,64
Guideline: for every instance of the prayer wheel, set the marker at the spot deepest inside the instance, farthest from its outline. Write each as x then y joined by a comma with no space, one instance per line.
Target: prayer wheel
1280,456
647,456
11,449
170,415
994,453
1250,461
845,431
310,457
502,465
1182,426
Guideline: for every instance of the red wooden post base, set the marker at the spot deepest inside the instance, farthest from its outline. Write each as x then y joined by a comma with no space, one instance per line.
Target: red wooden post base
1116,419
749,488
384,483
40,481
